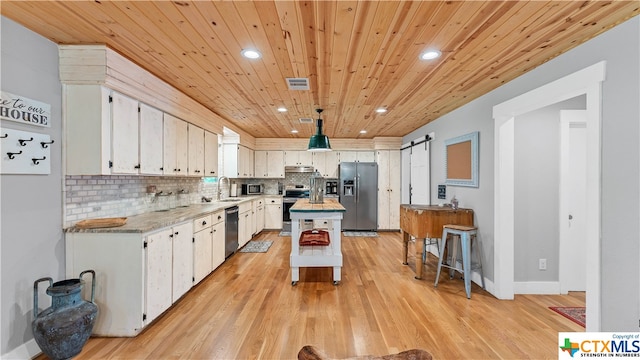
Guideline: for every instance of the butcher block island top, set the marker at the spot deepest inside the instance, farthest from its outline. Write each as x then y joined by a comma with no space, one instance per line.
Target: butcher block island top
329,205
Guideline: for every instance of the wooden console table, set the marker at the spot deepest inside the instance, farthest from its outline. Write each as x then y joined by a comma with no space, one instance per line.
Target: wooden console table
316,256
426,222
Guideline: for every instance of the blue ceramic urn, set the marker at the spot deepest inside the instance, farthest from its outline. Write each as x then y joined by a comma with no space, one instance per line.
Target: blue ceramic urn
62,329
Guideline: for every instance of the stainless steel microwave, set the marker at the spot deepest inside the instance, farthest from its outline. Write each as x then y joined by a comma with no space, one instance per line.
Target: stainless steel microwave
252,189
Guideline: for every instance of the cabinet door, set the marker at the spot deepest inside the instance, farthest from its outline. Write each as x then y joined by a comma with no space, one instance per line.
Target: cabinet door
196,150
260,167
305,158
218,246
290,158
275,164
331,164
182,147
124,131
383,189
151,146
244,228
260,219
230,164
169,143
319,162
158,274
182,260
273,215
366,156
210,154
348,156
394,189
202,254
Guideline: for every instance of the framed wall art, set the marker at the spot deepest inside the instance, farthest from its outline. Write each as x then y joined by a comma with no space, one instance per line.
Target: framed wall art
461,160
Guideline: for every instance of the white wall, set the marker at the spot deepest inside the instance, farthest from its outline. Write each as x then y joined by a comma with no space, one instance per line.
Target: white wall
31,213
620,244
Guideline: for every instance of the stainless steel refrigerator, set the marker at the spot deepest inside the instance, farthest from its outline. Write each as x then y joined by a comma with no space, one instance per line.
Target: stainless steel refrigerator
359,195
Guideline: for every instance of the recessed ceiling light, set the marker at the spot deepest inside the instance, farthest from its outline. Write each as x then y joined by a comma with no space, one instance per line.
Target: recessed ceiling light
294,131
363,131
251,54
282,109
430,55
381,110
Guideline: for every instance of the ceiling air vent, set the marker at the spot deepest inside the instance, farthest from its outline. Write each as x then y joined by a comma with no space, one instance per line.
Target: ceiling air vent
306,121
298,83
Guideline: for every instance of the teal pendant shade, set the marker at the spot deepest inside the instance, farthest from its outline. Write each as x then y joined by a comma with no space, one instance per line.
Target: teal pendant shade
319,141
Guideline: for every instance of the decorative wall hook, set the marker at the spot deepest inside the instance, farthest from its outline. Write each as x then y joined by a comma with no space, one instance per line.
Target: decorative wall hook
36,161
46,144
23,141
11,154
4,136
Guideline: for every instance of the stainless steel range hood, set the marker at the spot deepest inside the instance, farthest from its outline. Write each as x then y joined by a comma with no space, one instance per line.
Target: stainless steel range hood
298,169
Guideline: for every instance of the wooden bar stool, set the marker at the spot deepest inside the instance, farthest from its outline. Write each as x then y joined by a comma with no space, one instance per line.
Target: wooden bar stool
465,234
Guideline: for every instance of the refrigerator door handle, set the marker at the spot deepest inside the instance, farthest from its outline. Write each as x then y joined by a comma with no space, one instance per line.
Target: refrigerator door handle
357,182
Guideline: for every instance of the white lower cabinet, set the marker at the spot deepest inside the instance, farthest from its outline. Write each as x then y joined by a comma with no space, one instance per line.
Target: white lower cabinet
208,244
245,223
202,248
273,213
138,275
217,243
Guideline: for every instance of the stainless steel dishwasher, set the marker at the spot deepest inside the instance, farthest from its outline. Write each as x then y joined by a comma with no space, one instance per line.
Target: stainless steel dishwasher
231,231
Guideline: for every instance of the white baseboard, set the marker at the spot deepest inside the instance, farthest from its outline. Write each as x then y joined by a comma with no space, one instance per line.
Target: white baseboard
536,287
26,351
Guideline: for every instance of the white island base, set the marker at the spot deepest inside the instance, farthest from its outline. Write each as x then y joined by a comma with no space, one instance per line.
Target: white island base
316,256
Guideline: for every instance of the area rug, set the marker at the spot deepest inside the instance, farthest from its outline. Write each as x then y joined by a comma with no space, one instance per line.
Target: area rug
285,233
256,247
360,233
575,314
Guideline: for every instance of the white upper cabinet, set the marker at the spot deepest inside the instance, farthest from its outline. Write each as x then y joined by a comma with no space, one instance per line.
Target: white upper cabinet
151,144
269,164
238,161
109,133
176,144
298,157
196,150
326,163
210,154
182,147
357,156
124,131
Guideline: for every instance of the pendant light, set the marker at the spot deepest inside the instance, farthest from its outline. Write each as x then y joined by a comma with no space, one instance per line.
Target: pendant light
319,141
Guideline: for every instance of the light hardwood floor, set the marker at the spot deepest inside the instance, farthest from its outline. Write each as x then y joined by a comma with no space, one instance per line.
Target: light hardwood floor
247,309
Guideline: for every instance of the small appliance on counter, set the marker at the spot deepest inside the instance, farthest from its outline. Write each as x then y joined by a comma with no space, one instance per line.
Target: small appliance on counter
252,189
233,190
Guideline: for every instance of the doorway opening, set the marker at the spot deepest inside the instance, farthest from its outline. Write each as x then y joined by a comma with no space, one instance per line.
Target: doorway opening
584,82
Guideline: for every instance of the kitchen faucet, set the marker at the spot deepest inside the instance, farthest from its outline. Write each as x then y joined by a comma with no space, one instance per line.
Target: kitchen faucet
220,185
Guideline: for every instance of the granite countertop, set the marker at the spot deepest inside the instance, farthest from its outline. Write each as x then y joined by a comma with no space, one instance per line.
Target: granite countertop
155,220
329,205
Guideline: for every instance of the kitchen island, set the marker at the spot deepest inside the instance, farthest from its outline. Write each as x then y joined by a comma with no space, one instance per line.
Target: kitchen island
316,256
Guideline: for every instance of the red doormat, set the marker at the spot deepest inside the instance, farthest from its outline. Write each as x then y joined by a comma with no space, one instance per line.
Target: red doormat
575,314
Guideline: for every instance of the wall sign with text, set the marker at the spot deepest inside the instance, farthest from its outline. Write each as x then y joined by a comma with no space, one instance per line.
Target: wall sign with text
24,110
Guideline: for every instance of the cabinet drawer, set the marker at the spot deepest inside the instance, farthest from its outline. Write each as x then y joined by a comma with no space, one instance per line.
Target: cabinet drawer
217,217
273,201
245,206
202,222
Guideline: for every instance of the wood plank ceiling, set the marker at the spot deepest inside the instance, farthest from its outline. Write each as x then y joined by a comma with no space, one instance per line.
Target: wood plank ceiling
358,55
